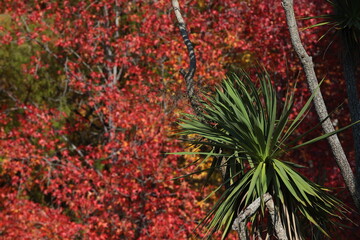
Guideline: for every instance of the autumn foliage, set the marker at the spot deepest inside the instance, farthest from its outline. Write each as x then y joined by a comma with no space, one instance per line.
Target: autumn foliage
90,96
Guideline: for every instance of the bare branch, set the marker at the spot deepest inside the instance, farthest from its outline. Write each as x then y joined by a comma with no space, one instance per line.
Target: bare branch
189,75
319,103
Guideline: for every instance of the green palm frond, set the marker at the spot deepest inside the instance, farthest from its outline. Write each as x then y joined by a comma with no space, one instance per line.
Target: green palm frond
247,124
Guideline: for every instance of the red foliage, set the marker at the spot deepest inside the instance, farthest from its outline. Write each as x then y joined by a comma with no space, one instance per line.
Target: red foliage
99,171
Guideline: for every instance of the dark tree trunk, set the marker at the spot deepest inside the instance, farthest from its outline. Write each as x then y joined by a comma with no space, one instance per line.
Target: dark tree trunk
349,69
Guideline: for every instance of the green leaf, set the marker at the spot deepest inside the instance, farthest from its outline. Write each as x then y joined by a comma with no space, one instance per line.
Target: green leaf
253,182
324,136
241,121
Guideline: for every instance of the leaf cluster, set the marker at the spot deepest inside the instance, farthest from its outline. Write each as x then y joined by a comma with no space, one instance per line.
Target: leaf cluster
254,134
345,20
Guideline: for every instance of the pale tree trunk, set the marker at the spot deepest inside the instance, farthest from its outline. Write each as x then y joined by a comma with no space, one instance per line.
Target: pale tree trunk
319,103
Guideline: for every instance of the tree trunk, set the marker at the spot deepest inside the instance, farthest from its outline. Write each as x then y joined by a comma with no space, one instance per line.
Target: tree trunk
319,103
349,69
240,222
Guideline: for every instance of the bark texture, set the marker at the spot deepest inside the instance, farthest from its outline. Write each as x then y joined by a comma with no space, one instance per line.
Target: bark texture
240,222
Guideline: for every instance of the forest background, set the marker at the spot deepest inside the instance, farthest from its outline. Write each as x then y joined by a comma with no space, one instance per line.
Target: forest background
90,96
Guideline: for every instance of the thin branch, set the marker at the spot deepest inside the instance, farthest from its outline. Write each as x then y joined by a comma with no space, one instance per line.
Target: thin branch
319,103
41,44
189,75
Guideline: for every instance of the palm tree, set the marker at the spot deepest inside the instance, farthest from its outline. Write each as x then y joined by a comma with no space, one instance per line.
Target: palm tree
255,135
